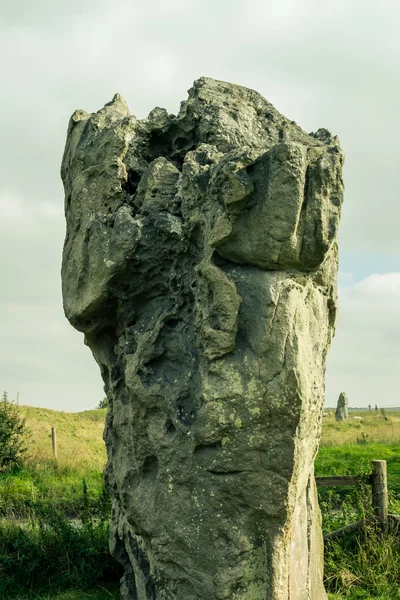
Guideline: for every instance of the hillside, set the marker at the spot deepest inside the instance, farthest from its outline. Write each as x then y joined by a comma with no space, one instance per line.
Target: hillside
79,436
345,447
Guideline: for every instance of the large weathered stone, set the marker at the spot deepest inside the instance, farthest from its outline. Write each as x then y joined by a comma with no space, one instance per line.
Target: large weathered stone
342,413
200,262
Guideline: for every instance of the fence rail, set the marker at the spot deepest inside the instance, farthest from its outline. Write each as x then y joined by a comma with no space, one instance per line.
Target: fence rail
348,480
378,482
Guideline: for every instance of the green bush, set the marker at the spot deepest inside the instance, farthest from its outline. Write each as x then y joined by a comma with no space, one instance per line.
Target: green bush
102,404
12,435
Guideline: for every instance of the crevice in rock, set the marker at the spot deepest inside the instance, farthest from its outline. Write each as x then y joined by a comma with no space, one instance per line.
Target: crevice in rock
208,450
144,566
131,185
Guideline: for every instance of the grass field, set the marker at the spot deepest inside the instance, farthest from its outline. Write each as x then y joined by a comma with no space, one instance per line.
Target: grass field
79,436
73,484
347,448
100,593
371,424
81,456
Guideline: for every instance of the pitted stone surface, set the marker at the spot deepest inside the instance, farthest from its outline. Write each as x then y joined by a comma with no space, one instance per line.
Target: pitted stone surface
200,261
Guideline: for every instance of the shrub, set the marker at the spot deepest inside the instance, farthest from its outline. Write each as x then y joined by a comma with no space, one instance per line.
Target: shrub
103,403
12,435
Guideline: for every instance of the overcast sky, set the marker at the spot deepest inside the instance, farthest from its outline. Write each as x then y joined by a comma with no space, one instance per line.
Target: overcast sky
332,64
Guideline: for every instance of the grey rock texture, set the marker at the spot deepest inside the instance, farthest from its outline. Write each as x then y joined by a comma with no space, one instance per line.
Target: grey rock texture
200,261
342,413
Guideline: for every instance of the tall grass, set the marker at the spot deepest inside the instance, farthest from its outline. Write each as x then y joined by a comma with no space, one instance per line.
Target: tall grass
99,593
49,483
365,565
62,540
49,552
43,481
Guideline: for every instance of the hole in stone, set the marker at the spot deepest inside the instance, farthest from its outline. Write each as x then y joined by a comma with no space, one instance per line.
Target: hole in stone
178,162
180,143
172,323
170,428
214,448
185,411
130,186
215,323
150,468
173,284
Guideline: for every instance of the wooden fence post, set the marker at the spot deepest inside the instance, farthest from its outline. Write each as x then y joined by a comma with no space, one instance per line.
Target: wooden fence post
54,441
380,492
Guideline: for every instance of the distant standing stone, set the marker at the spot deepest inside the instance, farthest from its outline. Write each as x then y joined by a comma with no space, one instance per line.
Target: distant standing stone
342,413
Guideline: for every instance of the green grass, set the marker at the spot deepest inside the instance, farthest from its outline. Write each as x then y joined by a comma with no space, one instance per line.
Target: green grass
356,568
50,553
356,460
44,481
100,593
352,459
79,436
359,595
54,514
47,483
363,566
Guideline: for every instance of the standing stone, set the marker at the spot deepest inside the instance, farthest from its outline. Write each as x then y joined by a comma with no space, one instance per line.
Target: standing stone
342,412
200,262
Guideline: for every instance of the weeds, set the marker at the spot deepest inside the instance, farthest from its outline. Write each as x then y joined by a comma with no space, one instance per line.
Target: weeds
49,552
48,483
363,439
366,564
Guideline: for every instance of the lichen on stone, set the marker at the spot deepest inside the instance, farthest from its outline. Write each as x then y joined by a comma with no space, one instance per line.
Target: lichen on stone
200,261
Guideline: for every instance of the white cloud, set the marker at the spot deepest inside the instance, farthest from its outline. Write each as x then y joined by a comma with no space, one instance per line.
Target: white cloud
50,210
365,356
10,207
45,360
324,64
